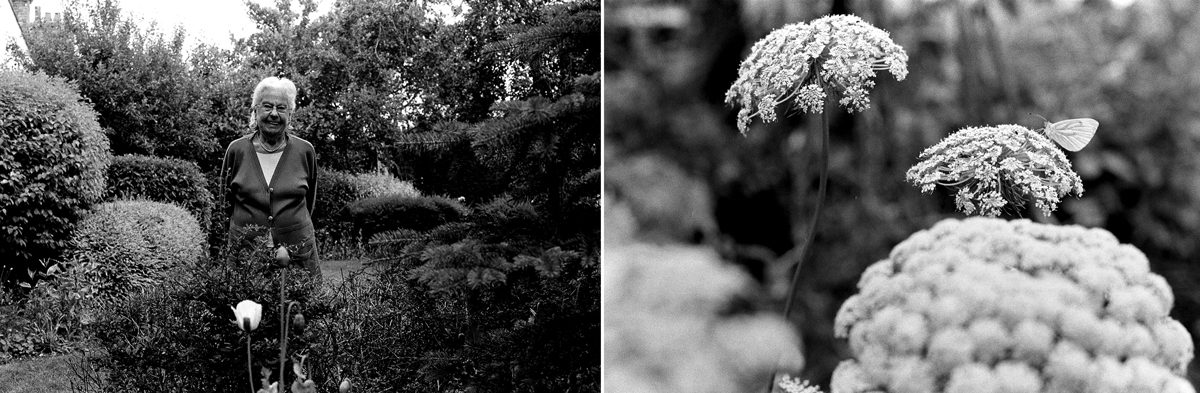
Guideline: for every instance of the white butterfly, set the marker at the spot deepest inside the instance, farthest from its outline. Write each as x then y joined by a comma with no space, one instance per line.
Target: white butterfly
1072,134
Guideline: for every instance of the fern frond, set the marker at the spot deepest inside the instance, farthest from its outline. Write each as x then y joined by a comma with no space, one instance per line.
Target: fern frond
399,236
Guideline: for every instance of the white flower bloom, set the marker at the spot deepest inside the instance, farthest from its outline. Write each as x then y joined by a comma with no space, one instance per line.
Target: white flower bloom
1017,378
950,348
988,305
995,167
1032,341
1175,344
991,339
911,375
247,315
801,63
1112,376
848,377
972,378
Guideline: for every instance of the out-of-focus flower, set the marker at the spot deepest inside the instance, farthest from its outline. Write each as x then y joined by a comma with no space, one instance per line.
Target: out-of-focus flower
248,314
995,167
802,63
1016,307
344,387
667,326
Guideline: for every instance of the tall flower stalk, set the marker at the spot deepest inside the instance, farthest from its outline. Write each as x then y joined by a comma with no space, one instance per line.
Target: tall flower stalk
248,314
804,67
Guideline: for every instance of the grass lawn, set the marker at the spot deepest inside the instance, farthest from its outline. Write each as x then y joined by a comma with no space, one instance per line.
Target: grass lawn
334,272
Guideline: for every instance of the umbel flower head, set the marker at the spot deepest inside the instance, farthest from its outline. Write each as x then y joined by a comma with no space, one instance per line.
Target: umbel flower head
985,305
803,62
994,167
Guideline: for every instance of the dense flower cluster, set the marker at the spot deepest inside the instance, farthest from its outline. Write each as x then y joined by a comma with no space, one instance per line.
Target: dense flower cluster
994,167
985,305
667,320
803,62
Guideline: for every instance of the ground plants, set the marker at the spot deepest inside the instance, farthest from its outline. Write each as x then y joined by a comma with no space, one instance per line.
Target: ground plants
179,337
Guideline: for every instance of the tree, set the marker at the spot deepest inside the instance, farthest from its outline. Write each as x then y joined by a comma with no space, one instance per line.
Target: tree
148,100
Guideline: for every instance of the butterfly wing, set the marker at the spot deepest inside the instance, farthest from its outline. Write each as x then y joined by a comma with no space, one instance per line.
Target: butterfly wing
1073,134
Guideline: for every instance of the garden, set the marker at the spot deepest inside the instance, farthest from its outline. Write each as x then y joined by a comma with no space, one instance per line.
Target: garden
456,212
901,196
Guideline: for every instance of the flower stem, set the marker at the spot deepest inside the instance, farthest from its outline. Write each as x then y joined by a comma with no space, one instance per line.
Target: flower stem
282,327
249,366
800,253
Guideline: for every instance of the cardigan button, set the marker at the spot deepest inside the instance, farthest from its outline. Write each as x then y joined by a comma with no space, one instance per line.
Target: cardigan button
270,189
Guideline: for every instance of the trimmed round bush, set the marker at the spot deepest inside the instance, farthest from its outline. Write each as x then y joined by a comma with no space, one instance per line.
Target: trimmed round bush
167,180
987,305
126,246
381,214
52,163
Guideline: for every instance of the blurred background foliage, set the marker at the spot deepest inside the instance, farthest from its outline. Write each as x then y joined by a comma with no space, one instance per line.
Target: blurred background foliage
1128,64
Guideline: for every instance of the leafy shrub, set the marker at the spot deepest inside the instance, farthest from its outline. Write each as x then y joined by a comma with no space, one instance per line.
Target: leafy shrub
179,336
52,164
168,180
371,185
380,214
991,305
335,190
132,245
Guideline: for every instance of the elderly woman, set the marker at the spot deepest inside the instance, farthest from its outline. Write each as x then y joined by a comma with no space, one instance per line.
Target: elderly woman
270,176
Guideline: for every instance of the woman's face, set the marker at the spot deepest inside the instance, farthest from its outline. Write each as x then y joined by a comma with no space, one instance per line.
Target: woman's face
272,112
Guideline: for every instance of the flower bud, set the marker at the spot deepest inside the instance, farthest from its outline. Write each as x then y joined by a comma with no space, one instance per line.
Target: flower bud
298,322
345,386
282,257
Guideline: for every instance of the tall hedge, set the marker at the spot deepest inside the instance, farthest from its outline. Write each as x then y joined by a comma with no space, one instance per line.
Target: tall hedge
52,163
167,180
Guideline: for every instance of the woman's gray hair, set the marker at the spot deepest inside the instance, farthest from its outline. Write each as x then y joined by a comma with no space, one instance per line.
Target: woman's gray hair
289,89
286,84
